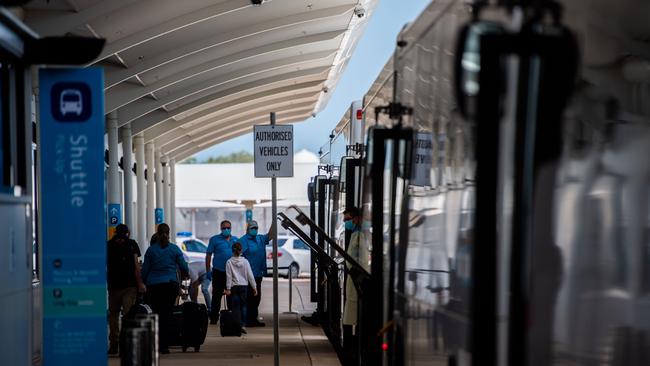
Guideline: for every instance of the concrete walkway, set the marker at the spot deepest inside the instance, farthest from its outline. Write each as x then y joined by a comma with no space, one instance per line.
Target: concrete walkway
300,343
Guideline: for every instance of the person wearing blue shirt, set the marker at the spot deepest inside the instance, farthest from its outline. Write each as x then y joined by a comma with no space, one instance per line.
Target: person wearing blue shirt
254,249
160,273
218,253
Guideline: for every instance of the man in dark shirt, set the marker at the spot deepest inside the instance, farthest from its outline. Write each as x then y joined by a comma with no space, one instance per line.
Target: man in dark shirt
124,283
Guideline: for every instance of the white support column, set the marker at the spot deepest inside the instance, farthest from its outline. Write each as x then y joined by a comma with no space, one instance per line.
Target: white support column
193,220
158,176
165,163
127,165
172,197
113,172
141,218
151,198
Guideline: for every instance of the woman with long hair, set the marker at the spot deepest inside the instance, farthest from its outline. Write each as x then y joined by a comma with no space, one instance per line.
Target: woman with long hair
159,272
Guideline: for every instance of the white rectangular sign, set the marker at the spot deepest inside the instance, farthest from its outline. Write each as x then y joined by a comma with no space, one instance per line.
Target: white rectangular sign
273,145
422,159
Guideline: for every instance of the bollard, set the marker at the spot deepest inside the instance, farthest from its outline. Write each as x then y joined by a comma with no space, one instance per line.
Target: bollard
152,323
135,351
145,339
290,293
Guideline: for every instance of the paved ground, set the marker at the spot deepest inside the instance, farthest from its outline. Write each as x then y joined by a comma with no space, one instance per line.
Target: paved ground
300,343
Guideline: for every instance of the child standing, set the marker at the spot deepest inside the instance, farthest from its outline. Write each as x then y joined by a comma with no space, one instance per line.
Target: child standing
239,276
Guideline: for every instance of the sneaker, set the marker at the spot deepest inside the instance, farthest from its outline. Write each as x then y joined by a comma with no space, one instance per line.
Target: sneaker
112,350
243,330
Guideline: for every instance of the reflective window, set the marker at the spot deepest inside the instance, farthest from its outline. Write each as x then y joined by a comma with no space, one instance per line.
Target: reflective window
299,244
195,246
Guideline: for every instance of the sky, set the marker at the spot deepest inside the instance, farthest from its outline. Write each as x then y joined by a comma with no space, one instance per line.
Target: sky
371,54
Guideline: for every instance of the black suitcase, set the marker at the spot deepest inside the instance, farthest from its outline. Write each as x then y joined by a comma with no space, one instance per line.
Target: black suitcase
229,322
138,308
189,325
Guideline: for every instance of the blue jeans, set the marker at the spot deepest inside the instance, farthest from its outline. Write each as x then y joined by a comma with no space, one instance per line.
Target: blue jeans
205,289
238,297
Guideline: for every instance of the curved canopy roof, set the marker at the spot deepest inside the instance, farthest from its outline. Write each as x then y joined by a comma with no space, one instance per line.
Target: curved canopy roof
190,74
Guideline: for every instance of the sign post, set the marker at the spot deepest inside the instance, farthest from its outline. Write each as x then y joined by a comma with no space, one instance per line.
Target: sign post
273,154
72,190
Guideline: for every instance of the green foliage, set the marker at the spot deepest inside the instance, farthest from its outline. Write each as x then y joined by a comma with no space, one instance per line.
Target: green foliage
236,157
190,160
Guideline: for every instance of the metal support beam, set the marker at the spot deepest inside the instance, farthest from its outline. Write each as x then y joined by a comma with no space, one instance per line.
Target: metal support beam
151,198
141,220
274,214
127,164
113,180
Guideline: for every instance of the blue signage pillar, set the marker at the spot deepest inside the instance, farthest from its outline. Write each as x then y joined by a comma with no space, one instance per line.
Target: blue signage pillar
73,219
114,217
159,214
249,215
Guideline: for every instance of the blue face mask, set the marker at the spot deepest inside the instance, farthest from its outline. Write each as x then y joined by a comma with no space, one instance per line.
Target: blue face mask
252,232
225,232
349,225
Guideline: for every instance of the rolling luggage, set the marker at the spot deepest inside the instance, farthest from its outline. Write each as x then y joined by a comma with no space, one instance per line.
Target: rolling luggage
229,322
138,308
190,324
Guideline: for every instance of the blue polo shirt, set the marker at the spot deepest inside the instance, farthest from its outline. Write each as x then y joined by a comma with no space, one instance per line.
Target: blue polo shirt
160,264
221,249
254,249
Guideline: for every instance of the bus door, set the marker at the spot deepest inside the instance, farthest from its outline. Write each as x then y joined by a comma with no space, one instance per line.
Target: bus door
389,152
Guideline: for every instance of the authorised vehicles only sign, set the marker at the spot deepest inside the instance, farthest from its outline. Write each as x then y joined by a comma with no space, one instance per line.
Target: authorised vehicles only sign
273,145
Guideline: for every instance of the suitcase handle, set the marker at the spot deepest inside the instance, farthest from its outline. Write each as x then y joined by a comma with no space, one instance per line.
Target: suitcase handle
225,303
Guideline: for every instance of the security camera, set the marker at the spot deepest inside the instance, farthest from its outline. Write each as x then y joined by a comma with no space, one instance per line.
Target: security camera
360,12
325,90
313,115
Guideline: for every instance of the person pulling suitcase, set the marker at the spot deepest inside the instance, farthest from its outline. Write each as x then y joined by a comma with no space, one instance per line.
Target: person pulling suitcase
239,276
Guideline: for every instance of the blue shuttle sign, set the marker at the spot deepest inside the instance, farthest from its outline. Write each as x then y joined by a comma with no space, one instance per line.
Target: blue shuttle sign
73,216
159,215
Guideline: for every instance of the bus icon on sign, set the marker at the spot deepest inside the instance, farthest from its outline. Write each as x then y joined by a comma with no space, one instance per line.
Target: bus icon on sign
70,102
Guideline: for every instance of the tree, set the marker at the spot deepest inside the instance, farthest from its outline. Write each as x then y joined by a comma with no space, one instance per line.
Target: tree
190,160
236,157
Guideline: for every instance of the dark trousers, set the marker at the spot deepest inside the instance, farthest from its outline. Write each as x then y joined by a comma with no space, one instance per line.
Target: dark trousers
238,297
254,302
121,298
218,286
162,297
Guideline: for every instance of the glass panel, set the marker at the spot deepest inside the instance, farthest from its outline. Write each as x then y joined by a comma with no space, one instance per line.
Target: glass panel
299,244
281,242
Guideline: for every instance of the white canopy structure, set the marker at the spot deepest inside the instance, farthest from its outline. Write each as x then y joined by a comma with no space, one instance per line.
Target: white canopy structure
187,75
182,76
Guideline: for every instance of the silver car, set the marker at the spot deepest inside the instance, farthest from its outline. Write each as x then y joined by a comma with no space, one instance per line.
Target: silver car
293,257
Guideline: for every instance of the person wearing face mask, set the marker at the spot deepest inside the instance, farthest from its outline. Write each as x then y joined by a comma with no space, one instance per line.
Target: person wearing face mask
218,253
254,249
159,272
352,221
